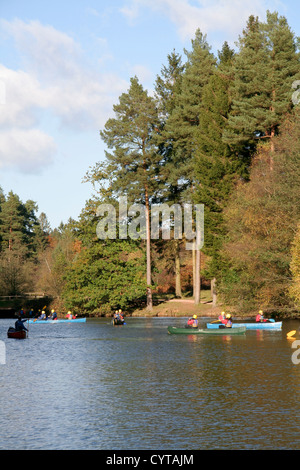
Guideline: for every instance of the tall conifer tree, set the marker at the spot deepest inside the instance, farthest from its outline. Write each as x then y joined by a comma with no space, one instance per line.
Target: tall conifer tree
131,166
167,88
184,120
217,165
265,68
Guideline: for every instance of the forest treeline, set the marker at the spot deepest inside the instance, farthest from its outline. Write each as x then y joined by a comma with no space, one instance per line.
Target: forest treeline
222,131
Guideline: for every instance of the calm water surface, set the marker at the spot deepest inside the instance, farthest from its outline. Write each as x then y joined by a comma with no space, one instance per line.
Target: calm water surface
95,386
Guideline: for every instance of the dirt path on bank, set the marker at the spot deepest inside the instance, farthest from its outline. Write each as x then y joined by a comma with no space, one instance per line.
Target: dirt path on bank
181,308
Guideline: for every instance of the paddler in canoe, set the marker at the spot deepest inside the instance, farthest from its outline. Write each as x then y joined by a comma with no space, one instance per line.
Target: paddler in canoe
42,316
53,315
192,322
228,323
260,317
222,318
226,320
19,324
118,318
70,316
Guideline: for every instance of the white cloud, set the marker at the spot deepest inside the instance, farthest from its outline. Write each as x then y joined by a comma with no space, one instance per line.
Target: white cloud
28,150
55,78
23,95
44,50
66,83
213,16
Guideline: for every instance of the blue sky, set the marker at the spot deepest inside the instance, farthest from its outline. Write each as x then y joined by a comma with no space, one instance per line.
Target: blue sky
64,64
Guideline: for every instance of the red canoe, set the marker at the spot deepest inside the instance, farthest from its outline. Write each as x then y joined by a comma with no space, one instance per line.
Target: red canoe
12,333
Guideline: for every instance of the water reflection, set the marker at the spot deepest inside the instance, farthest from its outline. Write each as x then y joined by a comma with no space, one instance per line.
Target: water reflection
94,386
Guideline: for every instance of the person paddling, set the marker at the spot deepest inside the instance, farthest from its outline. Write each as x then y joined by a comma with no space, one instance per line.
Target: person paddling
192,322
19,324
260,317
222,318
228,323
42,316
53,315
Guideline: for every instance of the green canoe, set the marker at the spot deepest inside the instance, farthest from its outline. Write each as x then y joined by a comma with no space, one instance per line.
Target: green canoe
173,330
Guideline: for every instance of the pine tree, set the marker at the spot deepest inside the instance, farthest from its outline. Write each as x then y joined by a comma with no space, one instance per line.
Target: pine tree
182,124
250,112
167,87
131,168
183,121
217,166
215,163
265,68
284,68
13,224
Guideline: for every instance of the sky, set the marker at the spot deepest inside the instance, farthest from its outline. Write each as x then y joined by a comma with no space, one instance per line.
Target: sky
64,64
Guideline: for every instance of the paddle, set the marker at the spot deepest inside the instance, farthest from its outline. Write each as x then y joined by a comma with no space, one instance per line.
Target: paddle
216,321
291,334
271,320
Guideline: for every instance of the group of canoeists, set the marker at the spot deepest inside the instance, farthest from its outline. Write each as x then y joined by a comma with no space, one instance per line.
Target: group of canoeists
118,318
225,320
53,316
42,315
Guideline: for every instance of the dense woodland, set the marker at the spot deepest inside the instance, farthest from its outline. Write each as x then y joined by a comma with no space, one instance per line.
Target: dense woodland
222,131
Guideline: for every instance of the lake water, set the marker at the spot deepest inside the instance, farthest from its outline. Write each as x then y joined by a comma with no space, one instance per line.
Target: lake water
94,386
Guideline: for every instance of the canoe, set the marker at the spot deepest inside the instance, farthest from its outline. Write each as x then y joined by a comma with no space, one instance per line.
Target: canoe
60,320
117,322
173,330
251,326
12,333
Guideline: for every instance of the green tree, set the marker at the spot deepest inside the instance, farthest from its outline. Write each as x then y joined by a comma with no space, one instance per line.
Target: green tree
55,259
182,125
265,67
183,121
167,88
217,166
19,230
132,165
13,224
108,274
283,65
104,274
262,219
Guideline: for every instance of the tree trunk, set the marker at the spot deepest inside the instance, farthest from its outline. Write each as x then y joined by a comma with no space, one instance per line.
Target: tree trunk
148,253
197,271
194,266
214,292
177,270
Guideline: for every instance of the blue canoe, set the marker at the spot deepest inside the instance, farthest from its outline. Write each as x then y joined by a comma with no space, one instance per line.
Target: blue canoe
252,326
60,320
